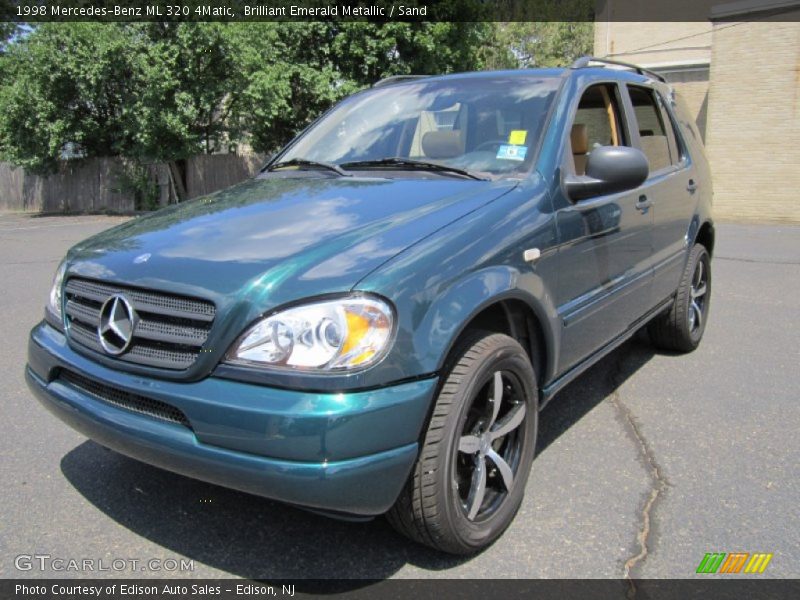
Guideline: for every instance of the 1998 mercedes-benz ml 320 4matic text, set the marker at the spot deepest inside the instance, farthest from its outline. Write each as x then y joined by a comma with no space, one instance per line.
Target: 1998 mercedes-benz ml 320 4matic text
373,323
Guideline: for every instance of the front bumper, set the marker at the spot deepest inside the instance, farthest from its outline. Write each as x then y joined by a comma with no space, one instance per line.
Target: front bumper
348,453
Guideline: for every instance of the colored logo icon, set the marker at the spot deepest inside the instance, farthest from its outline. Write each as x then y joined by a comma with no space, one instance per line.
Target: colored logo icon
734,562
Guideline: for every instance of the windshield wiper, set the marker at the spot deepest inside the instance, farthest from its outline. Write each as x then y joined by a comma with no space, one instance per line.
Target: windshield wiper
412,164
316,164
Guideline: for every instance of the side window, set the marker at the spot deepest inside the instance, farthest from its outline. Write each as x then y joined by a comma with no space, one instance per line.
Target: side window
652,133
675,146
597,123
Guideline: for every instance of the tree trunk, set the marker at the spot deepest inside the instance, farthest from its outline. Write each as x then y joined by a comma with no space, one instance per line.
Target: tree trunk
177,179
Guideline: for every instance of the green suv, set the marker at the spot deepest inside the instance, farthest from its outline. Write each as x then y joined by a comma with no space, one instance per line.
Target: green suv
373,323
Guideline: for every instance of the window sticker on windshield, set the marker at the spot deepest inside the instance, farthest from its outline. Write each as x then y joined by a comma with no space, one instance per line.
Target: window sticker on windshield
517,136
512,152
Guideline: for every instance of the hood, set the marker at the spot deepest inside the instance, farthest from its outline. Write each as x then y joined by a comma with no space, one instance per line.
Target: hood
270,241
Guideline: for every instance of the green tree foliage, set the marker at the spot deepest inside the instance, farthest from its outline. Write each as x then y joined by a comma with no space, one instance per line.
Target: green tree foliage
540,44
7,31
183,75
64,85
285,75
167,91
540,33
290,72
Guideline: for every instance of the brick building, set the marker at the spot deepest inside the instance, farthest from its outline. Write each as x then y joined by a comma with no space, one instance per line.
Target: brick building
740,74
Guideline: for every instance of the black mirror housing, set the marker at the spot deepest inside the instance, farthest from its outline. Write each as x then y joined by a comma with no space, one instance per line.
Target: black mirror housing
609,169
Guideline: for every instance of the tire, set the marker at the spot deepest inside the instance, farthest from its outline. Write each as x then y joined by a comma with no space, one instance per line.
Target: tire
678,329
441,505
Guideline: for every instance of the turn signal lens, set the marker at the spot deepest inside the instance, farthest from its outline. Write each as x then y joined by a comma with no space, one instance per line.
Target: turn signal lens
54,303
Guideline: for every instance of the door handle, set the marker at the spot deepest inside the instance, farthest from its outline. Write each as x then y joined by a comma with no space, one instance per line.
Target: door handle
691,186
643,203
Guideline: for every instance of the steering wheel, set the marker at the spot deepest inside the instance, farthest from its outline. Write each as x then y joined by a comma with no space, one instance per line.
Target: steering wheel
490,143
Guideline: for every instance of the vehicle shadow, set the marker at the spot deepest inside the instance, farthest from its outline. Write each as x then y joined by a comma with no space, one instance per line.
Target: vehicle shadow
572,403
251,537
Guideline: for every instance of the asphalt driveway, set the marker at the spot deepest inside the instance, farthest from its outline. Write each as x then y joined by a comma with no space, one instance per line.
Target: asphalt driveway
646,462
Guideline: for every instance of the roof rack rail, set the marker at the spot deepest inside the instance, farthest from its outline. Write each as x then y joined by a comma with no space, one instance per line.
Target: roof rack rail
397,79
585,61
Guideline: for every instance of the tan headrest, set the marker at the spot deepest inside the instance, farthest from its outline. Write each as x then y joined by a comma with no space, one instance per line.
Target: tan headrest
443,144
579,137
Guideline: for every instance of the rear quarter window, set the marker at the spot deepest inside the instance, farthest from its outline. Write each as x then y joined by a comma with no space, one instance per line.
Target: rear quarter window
653,136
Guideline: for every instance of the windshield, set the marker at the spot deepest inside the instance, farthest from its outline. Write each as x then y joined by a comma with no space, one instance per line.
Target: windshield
484,125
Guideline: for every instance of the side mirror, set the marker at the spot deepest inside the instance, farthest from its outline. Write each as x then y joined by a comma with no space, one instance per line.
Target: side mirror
609,169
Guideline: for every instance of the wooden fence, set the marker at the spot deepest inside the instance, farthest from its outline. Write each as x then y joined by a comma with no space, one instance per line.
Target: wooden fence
206,173
97,185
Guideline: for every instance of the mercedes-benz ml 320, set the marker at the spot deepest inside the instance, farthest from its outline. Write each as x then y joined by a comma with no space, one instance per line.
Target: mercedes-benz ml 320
374,322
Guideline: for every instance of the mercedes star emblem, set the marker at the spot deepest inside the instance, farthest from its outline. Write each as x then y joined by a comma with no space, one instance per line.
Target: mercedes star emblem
117,321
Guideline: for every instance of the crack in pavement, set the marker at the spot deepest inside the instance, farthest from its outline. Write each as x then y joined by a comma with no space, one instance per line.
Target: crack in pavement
659,481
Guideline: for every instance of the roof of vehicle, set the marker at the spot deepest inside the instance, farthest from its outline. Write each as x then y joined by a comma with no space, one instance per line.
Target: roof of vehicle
399,79
586,65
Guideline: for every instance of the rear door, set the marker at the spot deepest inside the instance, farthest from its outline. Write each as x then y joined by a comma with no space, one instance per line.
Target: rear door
670,188
605,245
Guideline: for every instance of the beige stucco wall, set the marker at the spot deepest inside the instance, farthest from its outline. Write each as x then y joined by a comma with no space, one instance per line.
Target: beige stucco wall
653,43
747,103
692,84
753,132
679,51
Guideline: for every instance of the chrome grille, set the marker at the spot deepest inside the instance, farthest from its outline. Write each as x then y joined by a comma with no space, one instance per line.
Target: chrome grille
124,399
169,334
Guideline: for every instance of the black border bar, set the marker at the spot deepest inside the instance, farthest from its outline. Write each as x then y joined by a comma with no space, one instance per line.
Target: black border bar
706,588
34,11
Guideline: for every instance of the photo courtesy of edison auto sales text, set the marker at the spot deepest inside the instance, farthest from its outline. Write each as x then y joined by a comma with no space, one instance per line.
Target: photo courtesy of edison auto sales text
165,589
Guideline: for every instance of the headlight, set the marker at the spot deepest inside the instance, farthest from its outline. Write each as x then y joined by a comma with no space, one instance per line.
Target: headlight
333,335
55,291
